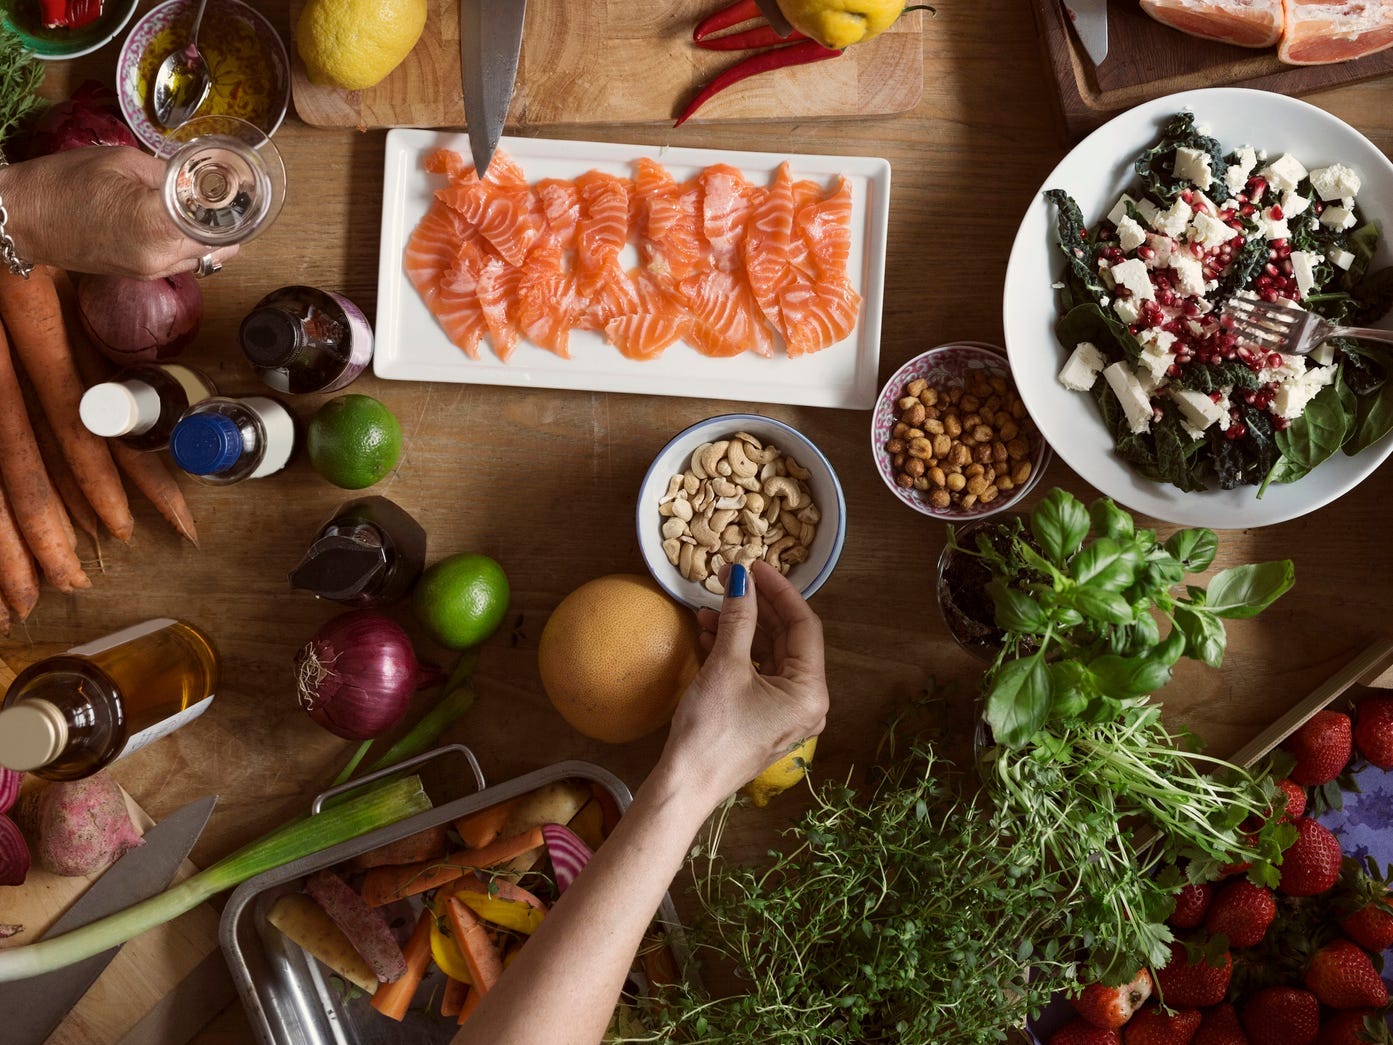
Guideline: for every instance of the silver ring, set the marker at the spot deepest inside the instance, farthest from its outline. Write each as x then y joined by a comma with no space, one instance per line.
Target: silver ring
206,267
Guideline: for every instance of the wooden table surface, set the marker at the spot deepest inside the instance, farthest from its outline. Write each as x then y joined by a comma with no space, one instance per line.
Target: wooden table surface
544,480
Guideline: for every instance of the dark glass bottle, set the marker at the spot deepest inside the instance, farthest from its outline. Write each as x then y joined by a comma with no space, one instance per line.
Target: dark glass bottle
142,404
369,554
300,339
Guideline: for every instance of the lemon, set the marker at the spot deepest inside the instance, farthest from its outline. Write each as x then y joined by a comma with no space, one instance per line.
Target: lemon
782,775
841,23
461,600
354,44
353,441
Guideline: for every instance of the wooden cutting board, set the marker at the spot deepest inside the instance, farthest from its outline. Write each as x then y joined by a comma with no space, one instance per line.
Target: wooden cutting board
141,974
1147,60
588,62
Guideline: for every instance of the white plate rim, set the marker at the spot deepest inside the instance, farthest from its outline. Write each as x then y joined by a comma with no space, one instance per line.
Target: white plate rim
391,360
1049,403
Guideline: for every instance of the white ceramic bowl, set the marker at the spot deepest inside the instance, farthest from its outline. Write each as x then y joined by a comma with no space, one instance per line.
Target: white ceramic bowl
674,459
947,366
1095,173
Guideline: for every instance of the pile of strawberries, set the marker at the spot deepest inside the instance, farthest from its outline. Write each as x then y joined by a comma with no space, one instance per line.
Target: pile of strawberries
1290,966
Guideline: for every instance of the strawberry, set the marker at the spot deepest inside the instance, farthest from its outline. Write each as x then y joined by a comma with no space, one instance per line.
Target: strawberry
1111,1007
1081,1032
1353,1027
1371,926
1241,911
1342,976
1191,905
1220,1026
1193,986
1373,731
1321,748
1153,1026
1312,863
1296,799
1282,1016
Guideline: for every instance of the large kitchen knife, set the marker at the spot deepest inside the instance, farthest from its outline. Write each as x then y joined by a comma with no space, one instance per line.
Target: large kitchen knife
774,16
31,1008
1090,18
490,39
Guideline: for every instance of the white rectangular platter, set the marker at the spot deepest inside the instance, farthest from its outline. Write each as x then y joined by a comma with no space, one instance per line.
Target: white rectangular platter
411,346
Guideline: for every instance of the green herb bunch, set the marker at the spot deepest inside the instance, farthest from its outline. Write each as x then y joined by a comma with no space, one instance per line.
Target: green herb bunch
20,77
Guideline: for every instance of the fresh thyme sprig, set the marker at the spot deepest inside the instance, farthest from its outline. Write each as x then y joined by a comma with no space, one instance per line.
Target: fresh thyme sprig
20,77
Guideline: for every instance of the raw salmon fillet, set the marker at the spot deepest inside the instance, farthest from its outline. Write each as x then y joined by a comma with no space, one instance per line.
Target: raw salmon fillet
1319,32
1246,23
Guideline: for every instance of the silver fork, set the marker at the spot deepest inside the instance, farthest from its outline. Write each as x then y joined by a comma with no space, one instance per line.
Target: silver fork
1287,329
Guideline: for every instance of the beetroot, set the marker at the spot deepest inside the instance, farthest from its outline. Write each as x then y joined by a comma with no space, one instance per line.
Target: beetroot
83,826
14,854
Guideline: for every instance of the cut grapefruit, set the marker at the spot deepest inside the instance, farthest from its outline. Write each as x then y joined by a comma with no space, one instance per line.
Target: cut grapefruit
1319,32
1246,23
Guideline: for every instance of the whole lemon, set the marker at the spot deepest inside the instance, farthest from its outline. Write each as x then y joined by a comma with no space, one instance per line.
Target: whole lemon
616,655
782,775
354,44
841,23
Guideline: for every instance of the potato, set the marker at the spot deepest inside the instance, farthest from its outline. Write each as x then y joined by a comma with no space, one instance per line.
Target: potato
554,803
304,921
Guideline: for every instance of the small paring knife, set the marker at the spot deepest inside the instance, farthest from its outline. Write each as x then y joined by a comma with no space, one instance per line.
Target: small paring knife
1090,21
774,16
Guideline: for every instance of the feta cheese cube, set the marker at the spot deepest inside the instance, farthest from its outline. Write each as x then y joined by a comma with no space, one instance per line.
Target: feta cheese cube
1203,203
1150,383
1323,354
1293,203
1292,397
1156,355
1303,268
1147,210
1126,311
1270,227
1337,217
1130,235
1119,209
1236,176
1193,166
1284,173
1172,221
1082,368
1292,367
1335,182
1197,408
1190,430
1132,274
1155,336
1135,402
1162,246
1341,259
1189,275
1210,231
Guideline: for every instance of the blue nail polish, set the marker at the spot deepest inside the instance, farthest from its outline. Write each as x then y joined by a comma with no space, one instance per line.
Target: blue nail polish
735,583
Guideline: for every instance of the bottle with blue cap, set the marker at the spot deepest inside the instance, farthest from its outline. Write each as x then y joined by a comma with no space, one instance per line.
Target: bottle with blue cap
226,439
141,405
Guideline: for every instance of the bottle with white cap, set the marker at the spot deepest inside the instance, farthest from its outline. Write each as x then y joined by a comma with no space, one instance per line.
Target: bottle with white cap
142,404
226,439
68,716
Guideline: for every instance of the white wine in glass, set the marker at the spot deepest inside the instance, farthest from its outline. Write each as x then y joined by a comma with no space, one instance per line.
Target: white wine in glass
224,181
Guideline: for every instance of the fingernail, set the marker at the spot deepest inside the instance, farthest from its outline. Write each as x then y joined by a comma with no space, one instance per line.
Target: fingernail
735,583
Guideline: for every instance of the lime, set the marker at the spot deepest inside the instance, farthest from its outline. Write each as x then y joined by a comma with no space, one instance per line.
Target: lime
354,441
461,600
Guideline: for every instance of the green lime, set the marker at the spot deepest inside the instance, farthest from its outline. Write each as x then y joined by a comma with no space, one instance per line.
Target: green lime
354,441
461,600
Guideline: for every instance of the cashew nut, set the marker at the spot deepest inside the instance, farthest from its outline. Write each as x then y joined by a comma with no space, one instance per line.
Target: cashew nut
723,503
787,488
795,555
673,485
708,457
682,509
755,501
755,444
747,482
797,470
775,551
722,518
705,535
700,571
684,560
697,454
725,488
714,586
740,464
673,528
768,455
754,523
810,515
731,534
769,471
691,484
672,548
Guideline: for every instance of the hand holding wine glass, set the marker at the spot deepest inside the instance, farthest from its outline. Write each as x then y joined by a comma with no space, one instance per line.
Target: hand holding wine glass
224,181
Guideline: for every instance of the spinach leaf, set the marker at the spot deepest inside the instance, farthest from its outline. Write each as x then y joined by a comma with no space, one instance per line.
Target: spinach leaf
1373,419
1374,298
1018,703
1318,432
1077,246
1205,638
1245,591
1090,322
1155,165
1195,549
1213,377
1362,243
1364,366
1059,523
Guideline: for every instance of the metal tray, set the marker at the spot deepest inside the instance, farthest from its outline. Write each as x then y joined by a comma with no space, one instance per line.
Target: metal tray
288,994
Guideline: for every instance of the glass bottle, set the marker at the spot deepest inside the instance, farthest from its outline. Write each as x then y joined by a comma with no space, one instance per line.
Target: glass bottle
369,554
300,339
226,439
68,716
142,404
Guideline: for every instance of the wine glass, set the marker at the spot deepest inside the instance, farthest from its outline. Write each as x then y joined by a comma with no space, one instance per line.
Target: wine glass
224,181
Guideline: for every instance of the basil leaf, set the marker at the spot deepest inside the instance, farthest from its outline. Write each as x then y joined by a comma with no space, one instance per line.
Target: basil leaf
1110,520
1016,611
1129,676
1143,634
1106,606
1195,549
1018,703
1205,638
1245,591
1060,524
1171,650
1106,564
1373,419
1073,687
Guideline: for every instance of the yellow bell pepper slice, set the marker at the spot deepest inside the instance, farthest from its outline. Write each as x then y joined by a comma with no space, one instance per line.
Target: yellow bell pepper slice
446,953
510,914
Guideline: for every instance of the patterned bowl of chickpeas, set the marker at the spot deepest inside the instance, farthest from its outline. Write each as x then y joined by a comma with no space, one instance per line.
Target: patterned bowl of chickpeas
951,435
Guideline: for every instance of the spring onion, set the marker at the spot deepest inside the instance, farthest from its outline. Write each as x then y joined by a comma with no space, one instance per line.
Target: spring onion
383,805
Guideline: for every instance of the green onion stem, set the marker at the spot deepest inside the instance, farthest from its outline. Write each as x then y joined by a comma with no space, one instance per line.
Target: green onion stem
347,770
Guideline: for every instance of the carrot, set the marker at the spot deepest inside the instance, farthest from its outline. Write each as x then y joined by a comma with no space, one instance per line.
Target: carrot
502,849
33,316
453,1000
32,497
393,999
485,965
384,885
500,888
471,1002
74,500
157,483
18,582
424,845
482,826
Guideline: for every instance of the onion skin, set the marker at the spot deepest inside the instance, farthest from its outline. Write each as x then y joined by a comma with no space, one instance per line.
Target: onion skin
92,116
357,674
14,854
140,321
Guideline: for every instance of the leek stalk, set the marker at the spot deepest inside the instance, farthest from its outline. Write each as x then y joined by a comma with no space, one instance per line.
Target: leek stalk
382,805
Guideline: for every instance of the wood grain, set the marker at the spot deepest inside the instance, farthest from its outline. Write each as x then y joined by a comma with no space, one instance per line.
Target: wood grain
603,61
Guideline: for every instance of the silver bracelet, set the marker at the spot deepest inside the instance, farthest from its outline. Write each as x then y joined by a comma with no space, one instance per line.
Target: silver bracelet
8,255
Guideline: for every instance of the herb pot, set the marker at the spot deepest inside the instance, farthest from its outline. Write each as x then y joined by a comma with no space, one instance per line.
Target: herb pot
963,599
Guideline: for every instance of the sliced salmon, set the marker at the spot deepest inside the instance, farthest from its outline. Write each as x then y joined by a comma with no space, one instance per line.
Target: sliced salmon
767,245
546,299
824,227
659,321
817,315
726,319
560,201
497,293
1245,23
726,203
1319,31
431,250
601,233
457,309
505,218
451,164
671,243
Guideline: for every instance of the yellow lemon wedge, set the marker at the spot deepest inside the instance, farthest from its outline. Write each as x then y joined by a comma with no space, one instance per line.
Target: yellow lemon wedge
782,775
354,44
841,23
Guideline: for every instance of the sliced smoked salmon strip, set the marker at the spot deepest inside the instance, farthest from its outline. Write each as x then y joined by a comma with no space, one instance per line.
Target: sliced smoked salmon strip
817,315
601,233
768,242
726,319
546,299
1318,31
825,229
561,204
504,218
1246,23
671,243
431,250
497,293
726,202
659,321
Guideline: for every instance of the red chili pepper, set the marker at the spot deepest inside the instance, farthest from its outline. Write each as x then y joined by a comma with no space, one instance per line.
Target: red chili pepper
749,39
733,14
779,58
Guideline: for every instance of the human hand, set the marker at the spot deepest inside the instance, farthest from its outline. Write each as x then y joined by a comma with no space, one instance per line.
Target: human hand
736,719
98,209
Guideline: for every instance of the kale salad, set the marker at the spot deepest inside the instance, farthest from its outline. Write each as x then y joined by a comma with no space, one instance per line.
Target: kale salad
1187,400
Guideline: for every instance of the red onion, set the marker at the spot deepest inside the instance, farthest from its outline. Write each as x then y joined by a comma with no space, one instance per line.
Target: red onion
140,321
92,116
9,788
14,854
357,674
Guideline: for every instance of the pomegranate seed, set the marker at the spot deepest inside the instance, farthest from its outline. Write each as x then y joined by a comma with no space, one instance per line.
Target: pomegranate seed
1281,424
1270,269
1196,249
1275,212
1236,432
1247,210
1146,253
1156,414
1188,196
1262,282
1256,187
1228,340
1268,294
1166,297
1274,360
1173,370
1250,398
1216,396
1318,206
1201,208
1104,234
1286,266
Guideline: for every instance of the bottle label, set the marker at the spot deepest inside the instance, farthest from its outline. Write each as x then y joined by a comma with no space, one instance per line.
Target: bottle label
135,631
279,427
165,727
359,342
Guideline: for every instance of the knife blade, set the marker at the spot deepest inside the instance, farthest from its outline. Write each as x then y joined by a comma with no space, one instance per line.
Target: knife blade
1090,20
490,42
30,1009
774,15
